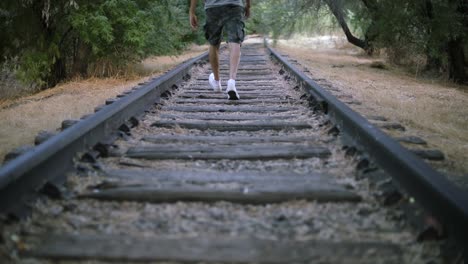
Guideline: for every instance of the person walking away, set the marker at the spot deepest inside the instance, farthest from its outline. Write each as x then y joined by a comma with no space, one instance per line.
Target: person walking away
223,16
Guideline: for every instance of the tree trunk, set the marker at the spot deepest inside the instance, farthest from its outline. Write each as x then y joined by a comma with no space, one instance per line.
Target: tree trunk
433,61
337,11
59,71
80,59
457,65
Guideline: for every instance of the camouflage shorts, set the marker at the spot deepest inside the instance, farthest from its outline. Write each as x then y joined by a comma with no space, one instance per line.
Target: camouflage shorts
228,19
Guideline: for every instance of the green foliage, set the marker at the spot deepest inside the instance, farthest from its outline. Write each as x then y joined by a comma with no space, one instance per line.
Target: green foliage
407,30
54,40
284,18
167,40
273,17
35,65
123,31
94,28
319,22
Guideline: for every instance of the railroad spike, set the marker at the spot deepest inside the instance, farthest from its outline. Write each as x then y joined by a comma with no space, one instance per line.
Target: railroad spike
98,108
15,153
351,151
102,149
433,231
125,128
134,122
68,123
111,101
53,191
334,131
90,156
362,164
42,137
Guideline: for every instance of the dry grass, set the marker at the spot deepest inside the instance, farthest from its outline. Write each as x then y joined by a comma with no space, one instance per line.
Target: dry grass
162,63
432,109
23,118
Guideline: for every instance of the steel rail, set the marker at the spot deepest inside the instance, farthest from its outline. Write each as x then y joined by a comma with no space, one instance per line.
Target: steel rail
432,190
20,179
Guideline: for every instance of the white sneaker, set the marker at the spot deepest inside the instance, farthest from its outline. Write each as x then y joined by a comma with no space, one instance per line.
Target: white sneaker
231,90
216,85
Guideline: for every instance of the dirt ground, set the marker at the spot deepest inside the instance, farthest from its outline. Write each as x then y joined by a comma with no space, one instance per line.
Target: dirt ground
23,118
433,109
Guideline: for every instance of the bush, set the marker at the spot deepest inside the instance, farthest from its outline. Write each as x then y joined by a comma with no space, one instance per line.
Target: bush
61,39
408,30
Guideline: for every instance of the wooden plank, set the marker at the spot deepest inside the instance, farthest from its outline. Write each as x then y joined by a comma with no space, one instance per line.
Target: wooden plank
390,126
246,85
240,87
259,194
251,89
226,108
246,68
254,53
258,54
263,75
429,154
225,117
227,140
411,140
256,60
214,95
211,186
242,82
256,82
207,87
247,51
252,58
225,73
243,78
230,126
258,92
211,176
252,64
224,96
246,152
235,102
207,249
294,148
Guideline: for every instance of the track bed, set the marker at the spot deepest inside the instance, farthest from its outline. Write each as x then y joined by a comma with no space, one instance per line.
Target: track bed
202,179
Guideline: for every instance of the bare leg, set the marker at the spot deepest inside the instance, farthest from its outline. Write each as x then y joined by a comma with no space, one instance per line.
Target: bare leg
234,59
214,60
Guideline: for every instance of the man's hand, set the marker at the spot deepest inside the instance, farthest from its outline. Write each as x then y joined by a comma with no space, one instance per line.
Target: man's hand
193,16
193,21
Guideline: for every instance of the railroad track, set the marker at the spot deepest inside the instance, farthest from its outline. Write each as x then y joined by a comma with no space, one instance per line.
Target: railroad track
277,177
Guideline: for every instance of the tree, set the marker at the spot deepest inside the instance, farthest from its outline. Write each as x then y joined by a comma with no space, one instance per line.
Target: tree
457,42
337,9
434,29
55,40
